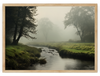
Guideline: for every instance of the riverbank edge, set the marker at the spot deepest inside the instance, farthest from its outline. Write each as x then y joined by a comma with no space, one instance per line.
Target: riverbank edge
20,57
68,54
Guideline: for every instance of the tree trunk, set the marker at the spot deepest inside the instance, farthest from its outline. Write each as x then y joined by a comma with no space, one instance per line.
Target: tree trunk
20,33
22,26
16,28
79,34
15,42
15,33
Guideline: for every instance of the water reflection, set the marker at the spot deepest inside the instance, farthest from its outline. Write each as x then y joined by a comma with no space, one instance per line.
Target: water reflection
75,64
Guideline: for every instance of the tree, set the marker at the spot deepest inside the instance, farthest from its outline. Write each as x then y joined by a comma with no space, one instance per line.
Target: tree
46,26
82,18
20,22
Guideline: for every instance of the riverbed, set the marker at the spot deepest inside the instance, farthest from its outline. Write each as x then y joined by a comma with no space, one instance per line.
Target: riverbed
55,62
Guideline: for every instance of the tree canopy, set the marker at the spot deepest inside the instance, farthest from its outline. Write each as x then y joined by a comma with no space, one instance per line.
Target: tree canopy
20,22
82,18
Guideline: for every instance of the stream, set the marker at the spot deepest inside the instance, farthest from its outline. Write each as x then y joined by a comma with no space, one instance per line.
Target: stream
55,62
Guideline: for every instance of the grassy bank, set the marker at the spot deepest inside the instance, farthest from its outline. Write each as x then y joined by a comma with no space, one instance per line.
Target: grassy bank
21,56
83,51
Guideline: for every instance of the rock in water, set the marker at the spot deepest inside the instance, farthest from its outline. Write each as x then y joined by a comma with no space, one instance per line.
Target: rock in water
42,61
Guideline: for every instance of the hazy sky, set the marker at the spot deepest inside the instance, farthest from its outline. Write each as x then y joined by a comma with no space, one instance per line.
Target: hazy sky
56,15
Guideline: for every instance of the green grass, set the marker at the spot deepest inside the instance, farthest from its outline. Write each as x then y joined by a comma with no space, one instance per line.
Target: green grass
79,47
75,47
78,51
21,56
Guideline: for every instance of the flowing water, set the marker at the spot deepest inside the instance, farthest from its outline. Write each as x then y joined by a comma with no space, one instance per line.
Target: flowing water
55,62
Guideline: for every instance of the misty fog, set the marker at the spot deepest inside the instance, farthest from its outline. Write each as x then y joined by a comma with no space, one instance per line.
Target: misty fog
58,32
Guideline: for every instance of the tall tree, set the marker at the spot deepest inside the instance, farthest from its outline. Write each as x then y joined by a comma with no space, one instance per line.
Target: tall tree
45,26
20,22
82,18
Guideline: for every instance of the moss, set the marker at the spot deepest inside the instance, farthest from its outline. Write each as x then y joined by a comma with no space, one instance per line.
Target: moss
21,56
37,55
11,64
79,55
10,53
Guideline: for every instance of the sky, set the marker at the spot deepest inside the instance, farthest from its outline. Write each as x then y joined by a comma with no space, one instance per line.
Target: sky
56,14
